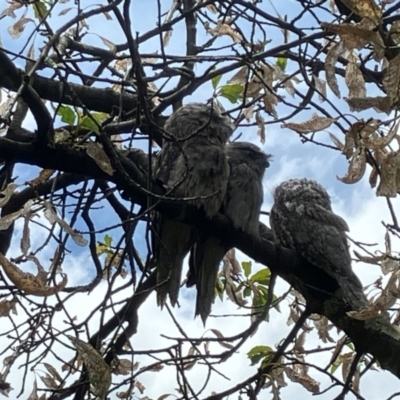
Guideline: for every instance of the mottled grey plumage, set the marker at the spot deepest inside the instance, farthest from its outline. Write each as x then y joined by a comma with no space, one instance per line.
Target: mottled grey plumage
302,219
242,204
140,159
192,164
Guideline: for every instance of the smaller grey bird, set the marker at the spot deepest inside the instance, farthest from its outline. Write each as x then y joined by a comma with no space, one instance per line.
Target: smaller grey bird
302,219
192,164
242,205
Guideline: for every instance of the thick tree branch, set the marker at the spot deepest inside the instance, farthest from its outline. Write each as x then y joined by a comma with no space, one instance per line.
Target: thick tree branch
323,296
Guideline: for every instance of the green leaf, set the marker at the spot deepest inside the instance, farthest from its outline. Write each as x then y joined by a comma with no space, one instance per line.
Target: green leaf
265,290
231,92
215,81
276,306
219,289
88,123
246,265
281,62
335,366
100,249
40,10
257,353
262,276
266,361
350,346
247,292
99,116
260,298
259,350
67,114
108,240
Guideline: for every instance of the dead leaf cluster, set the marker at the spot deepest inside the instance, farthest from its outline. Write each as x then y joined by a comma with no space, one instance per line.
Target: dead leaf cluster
365,143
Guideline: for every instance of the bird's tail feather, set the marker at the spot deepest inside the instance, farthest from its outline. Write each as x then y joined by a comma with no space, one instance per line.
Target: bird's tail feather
176,238
206,257
353,291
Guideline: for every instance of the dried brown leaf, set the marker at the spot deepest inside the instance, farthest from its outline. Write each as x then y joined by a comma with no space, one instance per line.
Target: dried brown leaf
289,87
305,380
25,240
53,372
52,217
368,259
248,113
387,298
96,152
347,360
223,28
164,396
50,382
373,177
363,315
365,9
379,142
355,81
29,283
388,243
394,31
330,63
323,327
166,37
9,11
6,194
389,264
357,37
320,86
41,274
156,368
390,169
140,386
300,341
6,306
261,127
337,350
188,365
357,166
99,371
294,315
111,45
391,80
211,7
241,76
270,99
124,367
34,395
44,176
235,268
356,381
379,104
253,88
16,30
314,124
65,11
337,142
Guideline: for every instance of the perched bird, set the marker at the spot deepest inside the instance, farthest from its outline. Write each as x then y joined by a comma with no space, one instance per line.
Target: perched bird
302,219
192,165
242,205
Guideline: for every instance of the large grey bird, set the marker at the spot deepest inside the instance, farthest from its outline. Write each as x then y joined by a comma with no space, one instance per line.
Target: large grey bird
302,219
242,205
193,165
